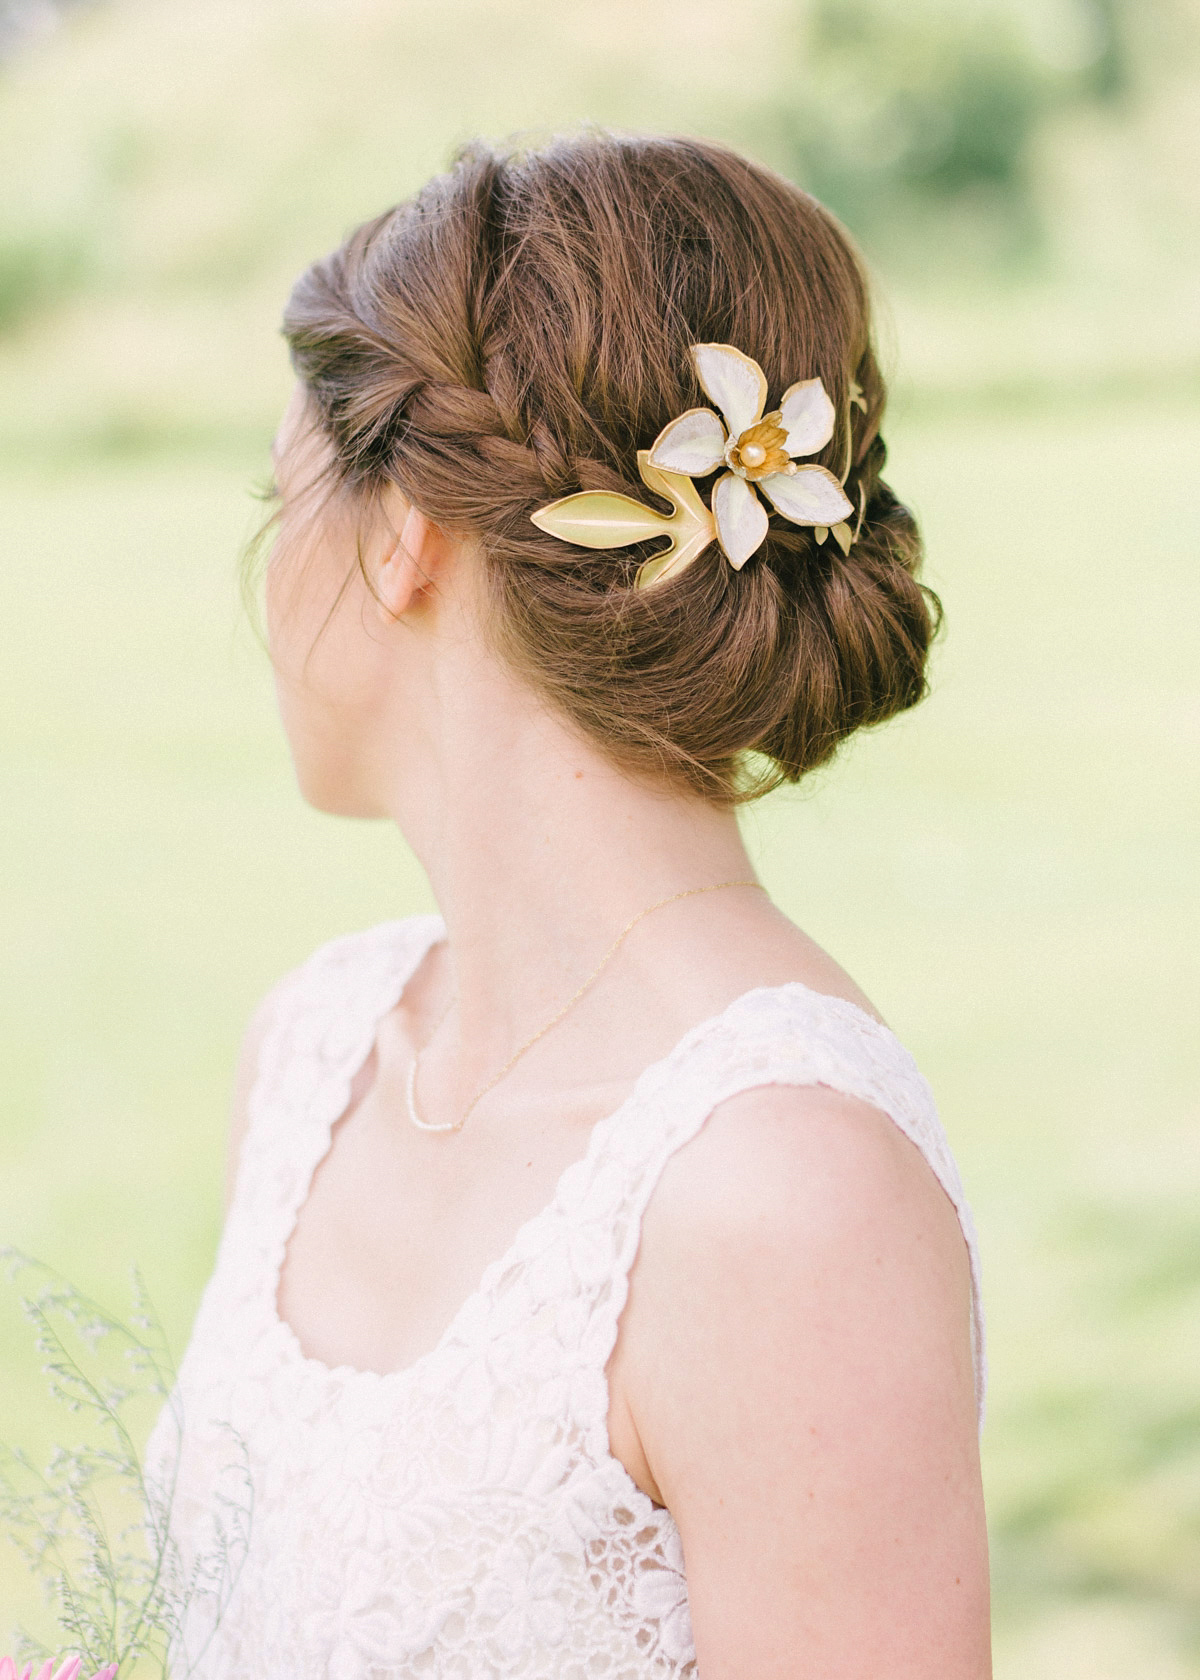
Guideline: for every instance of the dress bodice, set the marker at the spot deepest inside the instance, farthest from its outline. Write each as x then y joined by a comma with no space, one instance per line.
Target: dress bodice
463,1517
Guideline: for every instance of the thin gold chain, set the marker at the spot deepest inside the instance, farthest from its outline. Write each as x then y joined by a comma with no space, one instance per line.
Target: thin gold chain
457,1125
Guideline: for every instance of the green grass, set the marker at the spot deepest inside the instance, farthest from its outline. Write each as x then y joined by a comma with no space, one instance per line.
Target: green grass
1009,871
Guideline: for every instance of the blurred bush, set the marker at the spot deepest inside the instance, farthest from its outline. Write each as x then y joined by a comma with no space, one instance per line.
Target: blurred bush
895,113
37,267
1025,175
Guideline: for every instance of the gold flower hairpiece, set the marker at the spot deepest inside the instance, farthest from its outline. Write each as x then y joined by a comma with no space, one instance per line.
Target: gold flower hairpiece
759,452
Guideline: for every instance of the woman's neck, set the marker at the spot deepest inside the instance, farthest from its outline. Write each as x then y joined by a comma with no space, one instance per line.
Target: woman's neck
539,850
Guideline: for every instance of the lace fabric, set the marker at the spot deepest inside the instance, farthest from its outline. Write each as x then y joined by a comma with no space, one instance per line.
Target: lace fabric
464,1517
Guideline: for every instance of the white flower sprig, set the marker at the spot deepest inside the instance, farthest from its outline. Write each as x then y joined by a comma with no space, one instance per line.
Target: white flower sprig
759,452
758,449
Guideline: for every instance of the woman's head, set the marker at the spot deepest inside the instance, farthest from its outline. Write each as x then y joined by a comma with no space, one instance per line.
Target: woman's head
517,332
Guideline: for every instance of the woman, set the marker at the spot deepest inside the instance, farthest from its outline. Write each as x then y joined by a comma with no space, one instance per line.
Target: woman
597,1296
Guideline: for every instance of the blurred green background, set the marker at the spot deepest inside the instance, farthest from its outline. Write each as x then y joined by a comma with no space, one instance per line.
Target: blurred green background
1010,871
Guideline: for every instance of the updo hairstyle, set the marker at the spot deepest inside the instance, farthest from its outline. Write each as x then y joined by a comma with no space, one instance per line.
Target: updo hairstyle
518,331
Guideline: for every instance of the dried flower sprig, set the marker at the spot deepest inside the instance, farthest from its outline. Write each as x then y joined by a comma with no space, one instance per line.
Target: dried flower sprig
95,1524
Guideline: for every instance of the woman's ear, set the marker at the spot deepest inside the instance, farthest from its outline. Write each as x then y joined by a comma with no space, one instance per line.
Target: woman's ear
412,563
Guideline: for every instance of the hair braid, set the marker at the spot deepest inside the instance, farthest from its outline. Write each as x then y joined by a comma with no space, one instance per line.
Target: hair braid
518,331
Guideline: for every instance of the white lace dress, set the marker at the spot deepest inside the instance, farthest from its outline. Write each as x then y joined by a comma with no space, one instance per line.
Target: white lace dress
464,1517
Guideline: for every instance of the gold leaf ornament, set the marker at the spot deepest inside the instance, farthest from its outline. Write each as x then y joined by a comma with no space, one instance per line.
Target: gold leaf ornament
758,452
607,519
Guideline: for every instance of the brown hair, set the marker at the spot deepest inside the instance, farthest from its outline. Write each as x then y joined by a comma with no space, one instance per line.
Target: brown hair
517,331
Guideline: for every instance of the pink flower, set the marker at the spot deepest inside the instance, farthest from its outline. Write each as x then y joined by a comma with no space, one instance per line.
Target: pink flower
68,1671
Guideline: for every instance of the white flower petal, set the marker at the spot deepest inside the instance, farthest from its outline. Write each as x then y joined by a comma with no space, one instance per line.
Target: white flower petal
734,382
741,519
809,496
694,444
808,417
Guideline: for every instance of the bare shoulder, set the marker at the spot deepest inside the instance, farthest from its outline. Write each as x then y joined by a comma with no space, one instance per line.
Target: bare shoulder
802,1198
802,1248
802,1166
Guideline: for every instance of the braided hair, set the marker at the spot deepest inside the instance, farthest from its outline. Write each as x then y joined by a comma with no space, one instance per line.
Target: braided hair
518,331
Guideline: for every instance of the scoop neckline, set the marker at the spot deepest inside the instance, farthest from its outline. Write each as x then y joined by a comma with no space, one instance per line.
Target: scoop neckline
339,1091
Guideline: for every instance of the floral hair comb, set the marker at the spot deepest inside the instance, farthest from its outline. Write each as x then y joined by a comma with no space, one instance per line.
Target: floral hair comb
759,453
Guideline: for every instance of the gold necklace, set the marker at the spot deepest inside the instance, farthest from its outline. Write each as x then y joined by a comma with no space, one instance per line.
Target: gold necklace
410,1088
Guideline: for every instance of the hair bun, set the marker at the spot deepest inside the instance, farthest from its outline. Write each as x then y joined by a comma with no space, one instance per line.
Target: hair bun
519,331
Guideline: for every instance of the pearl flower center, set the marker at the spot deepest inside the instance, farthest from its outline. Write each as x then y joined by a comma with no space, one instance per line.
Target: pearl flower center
760,450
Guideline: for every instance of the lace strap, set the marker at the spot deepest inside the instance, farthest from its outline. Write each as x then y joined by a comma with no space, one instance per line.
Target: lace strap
785,1035
323,1017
